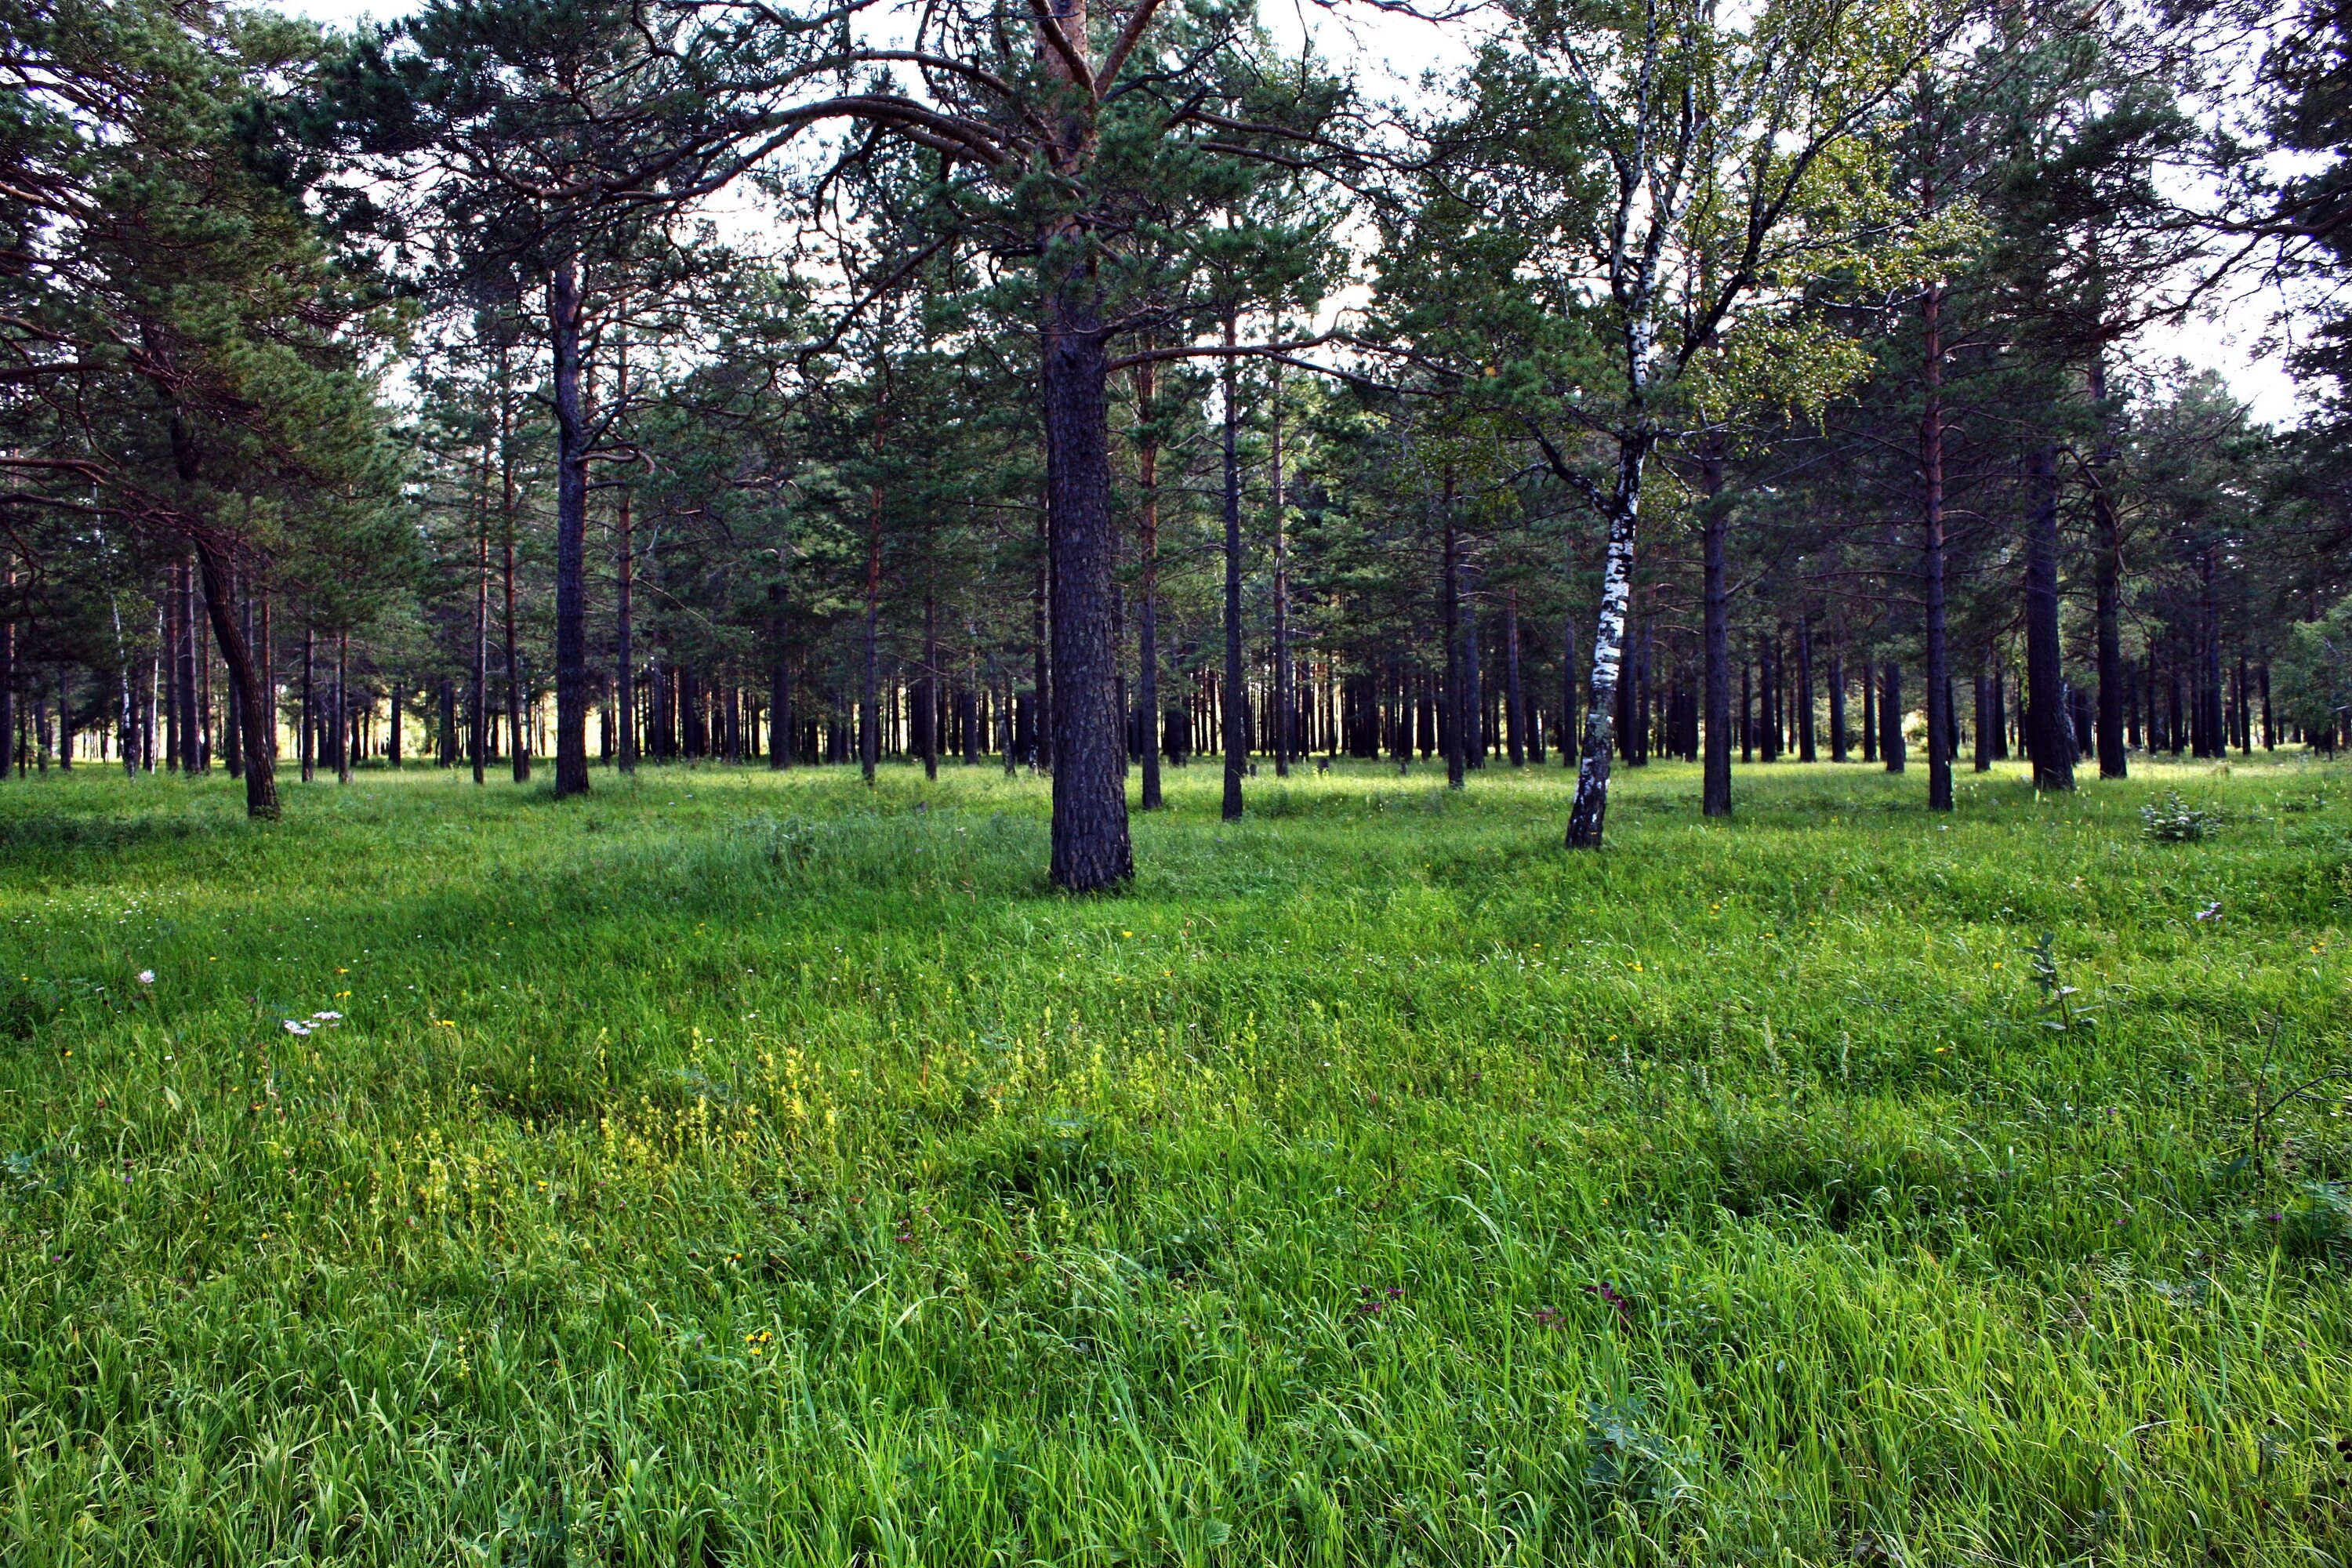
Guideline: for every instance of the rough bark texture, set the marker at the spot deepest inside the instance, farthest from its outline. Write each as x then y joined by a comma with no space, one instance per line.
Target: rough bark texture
2052,750
571,541
261,774
1091,847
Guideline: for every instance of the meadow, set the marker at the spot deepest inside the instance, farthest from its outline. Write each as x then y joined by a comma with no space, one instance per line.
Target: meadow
746,1168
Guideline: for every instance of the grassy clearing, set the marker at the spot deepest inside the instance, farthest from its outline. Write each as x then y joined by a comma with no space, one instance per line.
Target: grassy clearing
743,1168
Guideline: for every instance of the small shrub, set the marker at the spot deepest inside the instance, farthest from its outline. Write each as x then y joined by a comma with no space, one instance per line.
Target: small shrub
2172,820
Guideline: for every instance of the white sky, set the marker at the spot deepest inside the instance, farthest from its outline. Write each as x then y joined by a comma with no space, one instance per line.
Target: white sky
1391,54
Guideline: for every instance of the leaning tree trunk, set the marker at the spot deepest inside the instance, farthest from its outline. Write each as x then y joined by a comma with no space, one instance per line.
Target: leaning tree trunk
1236,729
571,542
2046,721
252,707
1587,815
1091,848
1714,789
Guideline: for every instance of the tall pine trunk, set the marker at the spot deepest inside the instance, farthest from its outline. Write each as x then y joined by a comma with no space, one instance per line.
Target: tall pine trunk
571,542
2047,723
2106,577
1236,704
1931,475
1515,711
1147,484
1091,848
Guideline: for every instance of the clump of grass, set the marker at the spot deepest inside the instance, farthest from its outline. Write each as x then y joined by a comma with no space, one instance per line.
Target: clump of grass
734,1167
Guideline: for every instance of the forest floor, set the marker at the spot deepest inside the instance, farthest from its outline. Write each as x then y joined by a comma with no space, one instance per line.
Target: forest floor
744,1168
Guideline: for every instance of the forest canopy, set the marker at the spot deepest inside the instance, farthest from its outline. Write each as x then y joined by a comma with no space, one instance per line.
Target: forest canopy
1088,389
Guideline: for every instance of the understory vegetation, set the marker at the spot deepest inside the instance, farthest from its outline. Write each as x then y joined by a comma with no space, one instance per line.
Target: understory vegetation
740,1167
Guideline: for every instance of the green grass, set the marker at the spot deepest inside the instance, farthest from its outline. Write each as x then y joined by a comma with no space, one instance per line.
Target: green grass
743,1168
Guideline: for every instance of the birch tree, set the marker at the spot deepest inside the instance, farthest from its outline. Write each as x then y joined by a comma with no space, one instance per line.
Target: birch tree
1687,172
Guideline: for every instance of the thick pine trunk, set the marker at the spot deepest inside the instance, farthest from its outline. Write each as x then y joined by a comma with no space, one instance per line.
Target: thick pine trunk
2048,742
1091,849
1090,758
570,542
253,706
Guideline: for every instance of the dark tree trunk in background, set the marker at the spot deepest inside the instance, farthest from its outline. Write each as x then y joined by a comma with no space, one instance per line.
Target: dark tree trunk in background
1931,474
1235,738
570,542
1870,726
1514,698
1806,750
1566,732
309,704
518,738
7,663
1747,711
1450,571
1984,723
2209,667
927,700
1891,749
1837,706
1471,711
2269,730
342,707
2051,748
2107,576
392,734
448,722
870,696
1091,848
625,639
192,744
783,738
1285,698
477,716
1147,480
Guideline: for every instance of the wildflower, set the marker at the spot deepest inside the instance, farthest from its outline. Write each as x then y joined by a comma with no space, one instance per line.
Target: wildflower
295,1026
2209,911
329,1019
147,976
